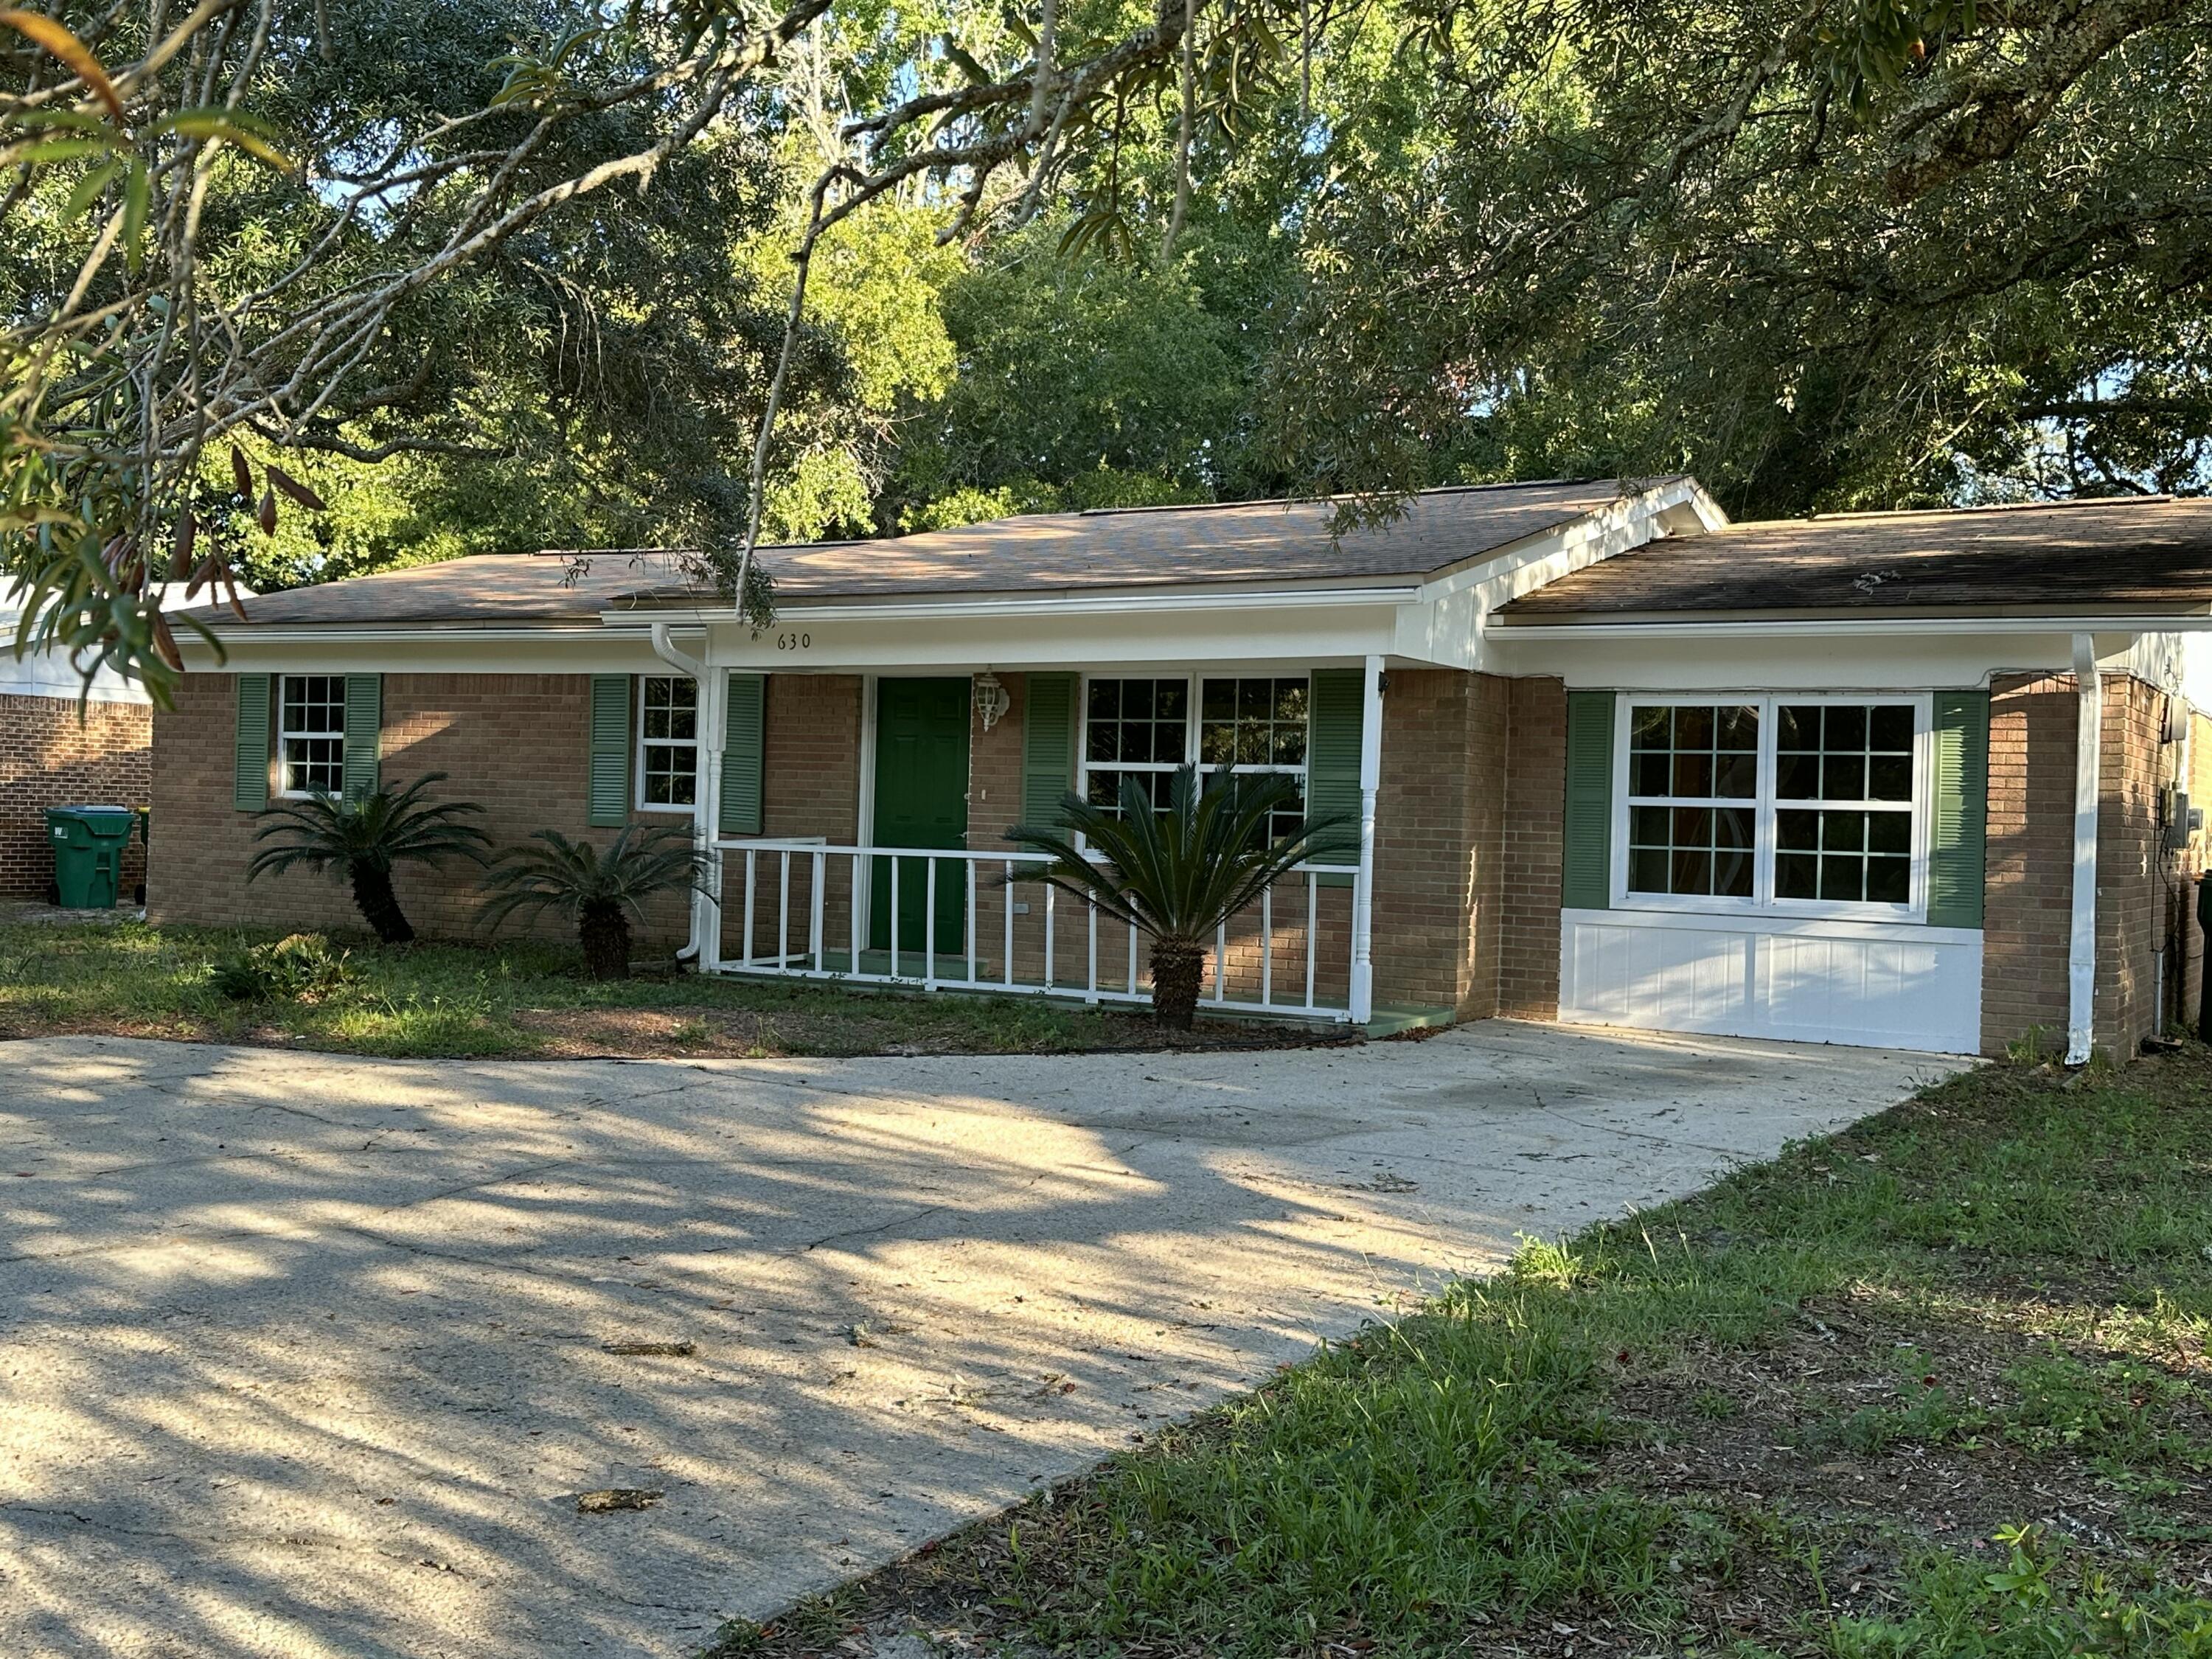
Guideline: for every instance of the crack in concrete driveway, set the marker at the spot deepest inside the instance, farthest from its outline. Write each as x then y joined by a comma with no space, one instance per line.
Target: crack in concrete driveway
266,1390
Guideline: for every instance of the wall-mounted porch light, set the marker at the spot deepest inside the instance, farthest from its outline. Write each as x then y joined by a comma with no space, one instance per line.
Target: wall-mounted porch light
991,699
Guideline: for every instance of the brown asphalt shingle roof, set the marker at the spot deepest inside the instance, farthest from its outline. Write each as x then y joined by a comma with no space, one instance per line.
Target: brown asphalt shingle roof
2145,555
1248,542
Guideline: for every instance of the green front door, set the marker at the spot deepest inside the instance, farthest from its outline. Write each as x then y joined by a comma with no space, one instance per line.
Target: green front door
922,800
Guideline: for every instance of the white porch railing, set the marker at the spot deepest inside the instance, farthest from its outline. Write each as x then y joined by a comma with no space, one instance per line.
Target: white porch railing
805,909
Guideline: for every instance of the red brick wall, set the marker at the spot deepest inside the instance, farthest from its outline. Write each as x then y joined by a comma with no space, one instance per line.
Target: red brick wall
49,757
995,768
517,744
810,786
1535,798
1440,840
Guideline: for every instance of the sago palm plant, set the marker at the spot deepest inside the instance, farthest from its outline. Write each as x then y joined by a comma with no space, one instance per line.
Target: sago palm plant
363,841
1177,876
600,892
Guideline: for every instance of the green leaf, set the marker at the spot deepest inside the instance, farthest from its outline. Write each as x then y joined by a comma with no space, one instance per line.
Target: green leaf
135,192
214,126
43,152
89,189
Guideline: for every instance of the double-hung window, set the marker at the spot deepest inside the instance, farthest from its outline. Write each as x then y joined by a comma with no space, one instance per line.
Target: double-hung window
1134,731
1142,729
1816,804
310,734
1252,727
668,743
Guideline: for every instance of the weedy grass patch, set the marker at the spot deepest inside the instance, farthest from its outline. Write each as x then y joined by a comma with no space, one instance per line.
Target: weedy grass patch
518,999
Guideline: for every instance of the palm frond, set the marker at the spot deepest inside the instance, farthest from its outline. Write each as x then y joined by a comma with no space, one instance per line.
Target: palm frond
332,833
1183,872
570,876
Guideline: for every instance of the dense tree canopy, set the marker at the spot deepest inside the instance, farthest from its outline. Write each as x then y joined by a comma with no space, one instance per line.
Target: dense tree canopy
500,273
1639,236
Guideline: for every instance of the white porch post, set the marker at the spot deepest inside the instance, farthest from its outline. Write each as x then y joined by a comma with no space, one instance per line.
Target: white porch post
713,737
1363,886
713,719
2081,942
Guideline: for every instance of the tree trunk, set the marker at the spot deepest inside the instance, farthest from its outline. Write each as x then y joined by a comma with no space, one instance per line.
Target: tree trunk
379,905
603,932
1178,965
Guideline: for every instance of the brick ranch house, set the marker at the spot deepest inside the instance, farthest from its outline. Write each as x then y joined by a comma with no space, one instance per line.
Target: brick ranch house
1905,780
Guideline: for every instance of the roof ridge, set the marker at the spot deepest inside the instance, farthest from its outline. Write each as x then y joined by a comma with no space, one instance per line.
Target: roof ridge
1313,501
2056,504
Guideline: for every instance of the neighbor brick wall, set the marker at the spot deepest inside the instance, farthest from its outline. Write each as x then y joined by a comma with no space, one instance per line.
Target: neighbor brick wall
2134,899
1535,800
517,744
2027,899
49,757
2188,937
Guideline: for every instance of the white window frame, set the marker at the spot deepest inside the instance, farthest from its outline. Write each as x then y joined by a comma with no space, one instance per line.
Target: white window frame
641,743
286,734
1764,805
1193,683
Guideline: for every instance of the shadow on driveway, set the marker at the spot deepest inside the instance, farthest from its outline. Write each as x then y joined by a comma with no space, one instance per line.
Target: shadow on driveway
306,1355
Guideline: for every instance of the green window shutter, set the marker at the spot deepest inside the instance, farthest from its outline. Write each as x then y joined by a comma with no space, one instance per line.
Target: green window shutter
1586,836
250,781
1960,809
610,791
364,732
741,755
1334,719
1048,747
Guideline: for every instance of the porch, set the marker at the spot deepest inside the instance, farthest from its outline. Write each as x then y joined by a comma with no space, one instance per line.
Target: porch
938,919
860,824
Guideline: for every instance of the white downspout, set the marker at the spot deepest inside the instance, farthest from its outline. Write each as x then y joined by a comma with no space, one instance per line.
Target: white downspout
713,723
2081,939
1363,888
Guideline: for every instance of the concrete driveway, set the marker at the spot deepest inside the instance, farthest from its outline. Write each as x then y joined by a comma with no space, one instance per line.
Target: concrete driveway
306,1356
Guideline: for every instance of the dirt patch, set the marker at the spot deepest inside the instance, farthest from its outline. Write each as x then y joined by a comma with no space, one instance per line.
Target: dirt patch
1892,1434
855,1028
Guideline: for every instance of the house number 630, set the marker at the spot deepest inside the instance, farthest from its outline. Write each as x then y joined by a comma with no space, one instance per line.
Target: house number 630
794,641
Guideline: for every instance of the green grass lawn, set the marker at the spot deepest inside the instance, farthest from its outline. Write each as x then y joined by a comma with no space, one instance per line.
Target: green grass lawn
522,998
1937,1386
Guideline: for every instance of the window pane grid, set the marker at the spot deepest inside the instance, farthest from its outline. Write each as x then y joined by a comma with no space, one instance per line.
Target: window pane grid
668,741
1687,764
1134,731
1141,731
310,733
1839,807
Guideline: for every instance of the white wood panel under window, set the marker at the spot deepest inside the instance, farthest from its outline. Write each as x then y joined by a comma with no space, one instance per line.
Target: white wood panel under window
1897,984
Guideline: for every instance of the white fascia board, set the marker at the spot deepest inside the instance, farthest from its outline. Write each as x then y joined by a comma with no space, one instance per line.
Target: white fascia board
1450,623
585,650
1075,637
1714,661
1853,626
1145,602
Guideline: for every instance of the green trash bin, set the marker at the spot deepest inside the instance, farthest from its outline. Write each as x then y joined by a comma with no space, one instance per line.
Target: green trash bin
88,843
